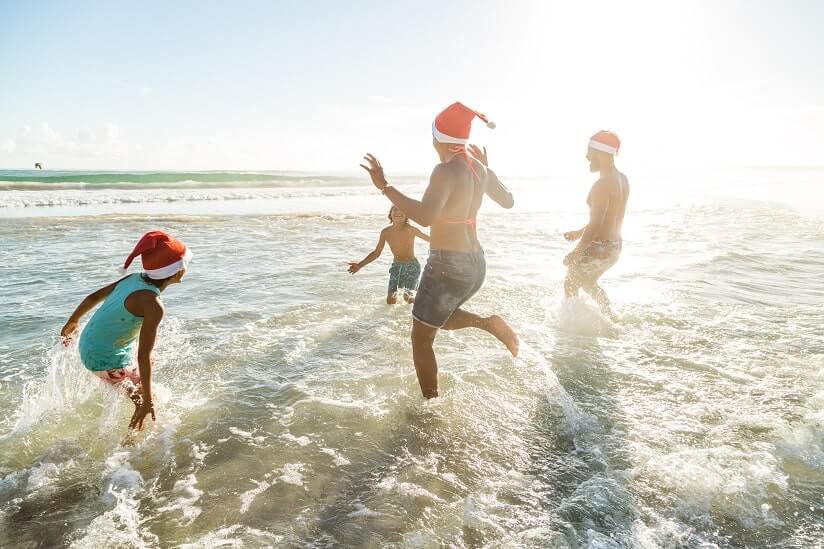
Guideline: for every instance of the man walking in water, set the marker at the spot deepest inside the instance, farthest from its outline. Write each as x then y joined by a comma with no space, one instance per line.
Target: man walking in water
600,240
456,267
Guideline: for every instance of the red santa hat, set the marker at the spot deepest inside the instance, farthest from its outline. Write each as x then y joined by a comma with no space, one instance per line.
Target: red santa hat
452,125
162,255
605,141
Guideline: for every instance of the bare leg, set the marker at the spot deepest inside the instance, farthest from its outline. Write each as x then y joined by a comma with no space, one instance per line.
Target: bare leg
494,325
571,283
409,297
600,297
392,298
426,365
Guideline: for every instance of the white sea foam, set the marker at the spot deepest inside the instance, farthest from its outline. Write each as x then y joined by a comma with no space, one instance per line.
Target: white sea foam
362,511
337,458
302,440
184,497
247,497
695,420
236,535
292,473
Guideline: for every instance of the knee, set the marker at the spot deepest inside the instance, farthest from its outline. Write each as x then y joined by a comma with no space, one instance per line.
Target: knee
391,299
422,335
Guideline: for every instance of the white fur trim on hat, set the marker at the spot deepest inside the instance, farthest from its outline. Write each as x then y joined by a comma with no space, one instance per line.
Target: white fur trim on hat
170,270
598,146
443,138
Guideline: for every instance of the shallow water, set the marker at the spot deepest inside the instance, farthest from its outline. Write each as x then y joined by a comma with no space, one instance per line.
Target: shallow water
289,413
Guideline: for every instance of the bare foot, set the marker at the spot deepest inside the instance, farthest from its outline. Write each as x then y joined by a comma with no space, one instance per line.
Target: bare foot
500,329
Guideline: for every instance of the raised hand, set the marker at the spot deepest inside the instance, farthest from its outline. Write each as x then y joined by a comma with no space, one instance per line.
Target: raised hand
354,267
375,171
479,154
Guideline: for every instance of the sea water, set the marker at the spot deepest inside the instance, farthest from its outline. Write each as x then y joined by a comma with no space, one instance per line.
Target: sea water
288,412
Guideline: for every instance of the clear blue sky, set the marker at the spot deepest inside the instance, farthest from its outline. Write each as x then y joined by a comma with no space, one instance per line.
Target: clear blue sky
313,85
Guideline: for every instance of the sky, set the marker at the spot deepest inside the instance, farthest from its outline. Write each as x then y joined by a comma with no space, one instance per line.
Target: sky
313,85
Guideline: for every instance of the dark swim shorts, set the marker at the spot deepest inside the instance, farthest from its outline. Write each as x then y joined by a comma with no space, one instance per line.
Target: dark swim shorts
449,280
404,274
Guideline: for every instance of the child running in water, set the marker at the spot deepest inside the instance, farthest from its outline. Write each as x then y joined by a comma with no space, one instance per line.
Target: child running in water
131,309
405,270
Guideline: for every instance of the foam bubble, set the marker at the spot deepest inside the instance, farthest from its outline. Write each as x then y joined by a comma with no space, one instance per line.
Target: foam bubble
337,458
247,435
579,316
292,474
247,497
362,510
302,440
235,536
186,495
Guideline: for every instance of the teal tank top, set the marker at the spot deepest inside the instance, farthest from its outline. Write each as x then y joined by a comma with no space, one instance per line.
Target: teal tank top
107,341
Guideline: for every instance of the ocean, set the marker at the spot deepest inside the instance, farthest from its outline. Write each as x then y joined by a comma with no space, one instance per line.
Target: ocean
289,415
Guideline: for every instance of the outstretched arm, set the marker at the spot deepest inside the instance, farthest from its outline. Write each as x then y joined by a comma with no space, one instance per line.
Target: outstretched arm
88,303
372,256
420,234
424,211
152,315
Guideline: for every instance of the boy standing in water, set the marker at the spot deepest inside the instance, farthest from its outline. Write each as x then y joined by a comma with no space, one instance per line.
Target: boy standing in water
599,242
131,309
405,270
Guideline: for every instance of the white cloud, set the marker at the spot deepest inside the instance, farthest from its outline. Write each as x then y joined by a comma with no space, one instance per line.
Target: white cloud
41,142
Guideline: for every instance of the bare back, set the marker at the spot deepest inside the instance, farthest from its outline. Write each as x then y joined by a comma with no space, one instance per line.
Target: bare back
616,188
454,229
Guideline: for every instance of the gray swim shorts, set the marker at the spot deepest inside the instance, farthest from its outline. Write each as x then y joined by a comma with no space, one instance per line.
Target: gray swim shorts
449,280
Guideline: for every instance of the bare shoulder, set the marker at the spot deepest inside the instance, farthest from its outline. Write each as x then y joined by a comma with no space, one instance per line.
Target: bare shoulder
603,184
625,179
442,171
145,303
150,300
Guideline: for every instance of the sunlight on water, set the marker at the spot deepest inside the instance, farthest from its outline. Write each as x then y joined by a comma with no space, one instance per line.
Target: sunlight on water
289,413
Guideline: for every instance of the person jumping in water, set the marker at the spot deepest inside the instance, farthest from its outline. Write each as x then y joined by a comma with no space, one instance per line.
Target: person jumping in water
131,309
405,270
599,242
456,267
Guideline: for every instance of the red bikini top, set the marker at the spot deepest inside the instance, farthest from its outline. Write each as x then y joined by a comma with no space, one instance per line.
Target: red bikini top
462,151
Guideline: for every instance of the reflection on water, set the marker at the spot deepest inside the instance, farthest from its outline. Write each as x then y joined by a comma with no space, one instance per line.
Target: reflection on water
289,413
